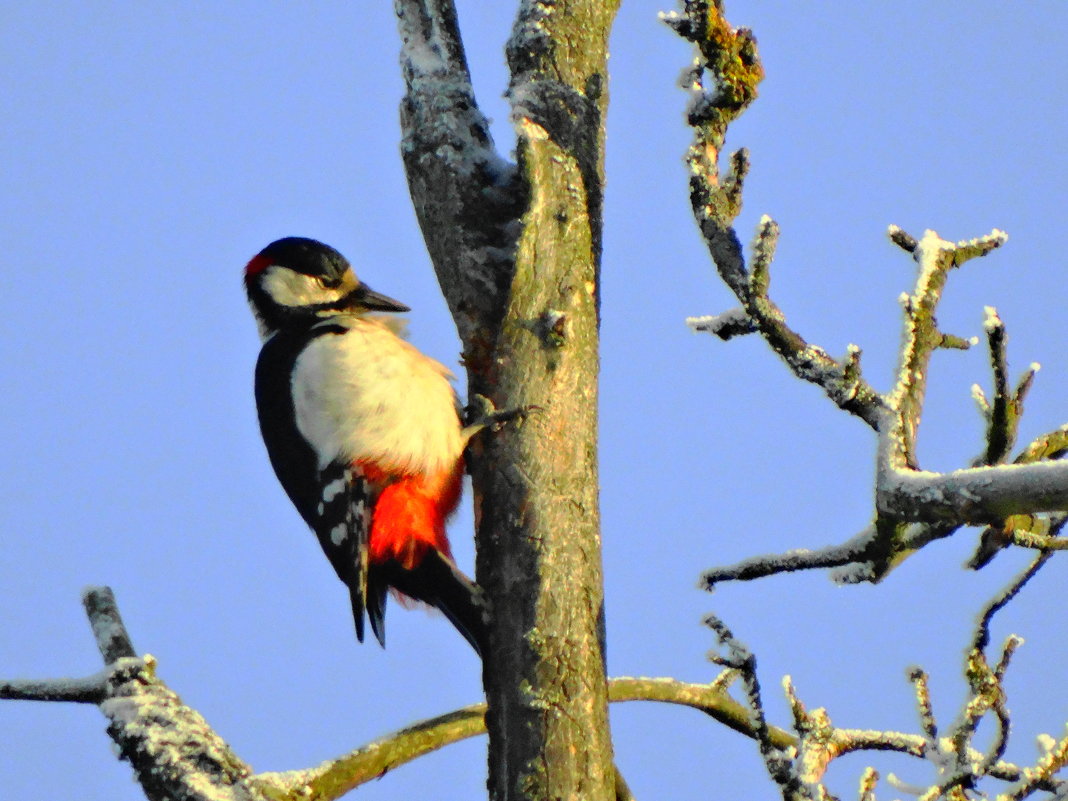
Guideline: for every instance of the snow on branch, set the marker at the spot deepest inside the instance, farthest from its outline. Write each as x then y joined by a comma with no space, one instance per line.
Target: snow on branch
799,763
177,756
466,196
1018,500
439,89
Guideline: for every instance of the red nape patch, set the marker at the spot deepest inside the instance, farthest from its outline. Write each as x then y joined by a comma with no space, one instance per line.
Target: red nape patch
258,264
409,518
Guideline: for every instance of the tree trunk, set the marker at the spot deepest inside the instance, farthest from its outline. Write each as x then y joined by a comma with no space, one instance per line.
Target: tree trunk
517,250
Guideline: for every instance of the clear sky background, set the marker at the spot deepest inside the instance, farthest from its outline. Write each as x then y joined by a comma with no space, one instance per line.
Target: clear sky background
149,149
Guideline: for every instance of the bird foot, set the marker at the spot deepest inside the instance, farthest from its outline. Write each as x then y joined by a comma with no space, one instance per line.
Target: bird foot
481,413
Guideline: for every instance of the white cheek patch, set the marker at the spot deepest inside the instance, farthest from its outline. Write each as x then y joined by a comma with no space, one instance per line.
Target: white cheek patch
289,288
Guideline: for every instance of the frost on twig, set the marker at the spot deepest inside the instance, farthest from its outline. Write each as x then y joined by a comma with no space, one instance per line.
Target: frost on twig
722,82
176,755
737,657
1012,498
799,767
731,323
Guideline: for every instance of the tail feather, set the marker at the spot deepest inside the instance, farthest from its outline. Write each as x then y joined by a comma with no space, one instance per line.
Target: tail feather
357,610
437,581
377,593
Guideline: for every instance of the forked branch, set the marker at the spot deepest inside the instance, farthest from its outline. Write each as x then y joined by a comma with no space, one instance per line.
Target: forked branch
913,507
798,766
178,757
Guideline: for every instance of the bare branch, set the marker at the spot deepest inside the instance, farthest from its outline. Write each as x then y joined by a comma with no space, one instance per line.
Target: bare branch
915,507
912,507
729,324
902,239
935,257
467,197
799,769
707,698
1054,759
1001,423
1027,530
928,725
334,778
88,690
972,495
1001,600
755,567
176,755
110,632
722,83
868,780
738,657
1048,446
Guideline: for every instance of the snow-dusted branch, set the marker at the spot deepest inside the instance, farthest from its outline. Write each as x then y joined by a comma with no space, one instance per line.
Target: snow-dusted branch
1027,530
935,258
108,629
913,507
465,194
972,495
798,764
840,379
173,751
88,690
741,662
112,641
1002,413
178,757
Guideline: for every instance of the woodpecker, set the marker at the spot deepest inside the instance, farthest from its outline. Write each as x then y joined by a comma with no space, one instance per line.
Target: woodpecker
363,432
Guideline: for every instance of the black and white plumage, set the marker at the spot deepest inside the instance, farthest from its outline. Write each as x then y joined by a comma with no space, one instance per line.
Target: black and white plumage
362,430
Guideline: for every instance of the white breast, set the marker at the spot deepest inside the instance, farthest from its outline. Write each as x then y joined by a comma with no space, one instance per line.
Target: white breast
368,394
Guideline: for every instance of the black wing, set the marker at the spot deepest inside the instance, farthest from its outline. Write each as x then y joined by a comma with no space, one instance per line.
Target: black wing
334,502
343,525
293,460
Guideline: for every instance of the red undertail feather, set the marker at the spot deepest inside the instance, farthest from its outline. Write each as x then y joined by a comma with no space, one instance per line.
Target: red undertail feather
410,514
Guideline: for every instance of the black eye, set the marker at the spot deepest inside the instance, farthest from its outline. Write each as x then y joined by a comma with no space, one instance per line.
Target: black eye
328,281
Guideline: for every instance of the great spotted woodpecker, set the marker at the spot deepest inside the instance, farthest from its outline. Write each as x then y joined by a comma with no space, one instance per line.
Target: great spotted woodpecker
363,432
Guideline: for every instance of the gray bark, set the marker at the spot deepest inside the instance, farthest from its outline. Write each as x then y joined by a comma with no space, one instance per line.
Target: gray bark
517,251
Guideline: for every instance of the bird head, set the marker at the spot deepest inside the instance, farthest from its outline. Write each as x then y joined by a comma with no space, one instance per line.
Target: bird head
297,281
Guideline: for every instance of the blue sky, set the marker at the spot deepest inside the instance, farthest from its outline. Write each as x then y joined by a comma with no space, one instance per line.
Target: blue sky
150,149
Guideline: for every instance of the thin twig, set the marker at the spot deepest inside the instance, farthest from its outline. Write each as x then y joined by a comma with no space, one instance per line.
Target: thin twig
982,630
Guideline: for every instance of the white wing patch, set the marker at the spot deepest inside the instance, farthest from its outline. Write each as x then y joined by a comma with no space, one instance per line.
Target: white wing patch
339,533
366,394
333,489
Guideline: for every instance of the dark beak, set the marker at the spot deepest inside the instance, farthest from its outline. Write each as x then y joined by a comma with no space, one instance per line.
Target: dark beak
363,297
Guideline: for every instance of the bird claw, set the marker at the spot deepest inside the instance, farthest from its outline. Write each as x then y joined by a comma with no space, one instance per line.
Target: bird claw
482,413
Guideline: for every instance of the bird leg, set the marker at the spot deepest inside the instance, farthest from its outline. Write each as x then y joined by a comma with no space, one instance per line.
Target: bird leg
481,414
